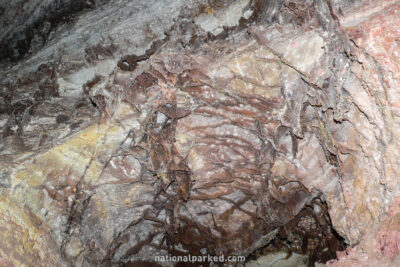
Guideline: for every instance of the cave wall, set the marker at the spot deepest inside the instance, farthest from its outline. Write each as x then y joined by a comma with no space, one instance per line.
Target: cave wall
132,126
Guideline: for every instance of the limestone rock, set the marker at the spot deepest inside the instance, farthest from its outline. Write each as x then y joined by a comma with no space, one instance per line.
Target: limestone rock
133,129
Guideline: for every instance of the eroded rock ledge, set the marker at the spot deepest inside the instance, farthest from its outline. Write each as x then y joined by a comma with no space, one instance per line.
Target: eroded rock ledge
181,127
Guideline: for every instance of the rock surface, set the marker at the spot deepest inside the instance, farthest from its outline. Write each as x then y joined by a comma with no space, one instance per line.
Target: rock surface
133,129
279,260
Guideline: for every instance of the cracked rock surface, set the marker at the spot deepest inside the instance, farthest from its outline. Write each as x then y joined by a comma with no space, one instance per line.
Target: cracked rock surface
135,129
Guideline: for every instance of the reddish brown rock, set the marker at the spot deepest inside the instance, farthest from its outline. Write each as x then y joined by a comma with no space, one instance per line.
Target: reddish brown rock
276,131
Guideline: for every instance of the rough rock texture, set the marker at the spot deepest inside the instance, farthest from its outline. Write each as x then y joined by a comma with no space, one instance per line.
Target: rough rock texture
136,129
373,30
277,259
